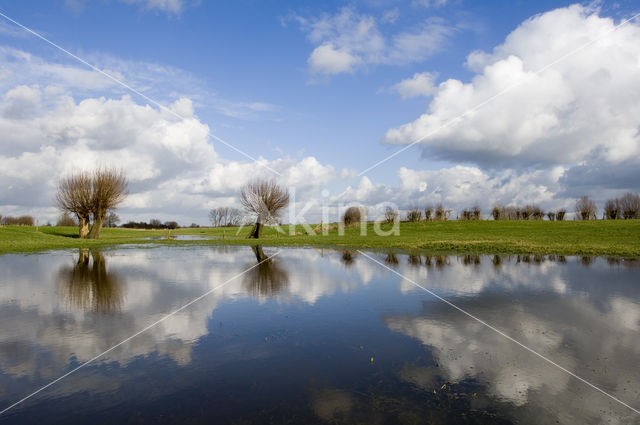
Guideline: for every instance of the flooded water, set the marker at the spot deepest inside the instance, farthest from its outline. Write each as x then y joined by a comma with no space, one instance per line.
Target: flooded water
316,336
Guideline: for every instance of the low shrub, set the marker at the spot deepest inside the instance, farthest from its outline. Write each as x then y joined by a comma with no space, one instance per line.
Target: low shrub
353,215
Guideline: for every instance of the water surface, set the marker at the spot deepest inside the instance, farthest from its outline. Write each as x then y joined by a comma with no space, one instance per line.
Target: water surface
316,336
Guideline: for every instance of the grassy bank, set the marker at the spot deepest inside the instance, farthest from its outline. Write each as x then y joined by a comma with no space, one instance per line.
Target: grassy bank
607,238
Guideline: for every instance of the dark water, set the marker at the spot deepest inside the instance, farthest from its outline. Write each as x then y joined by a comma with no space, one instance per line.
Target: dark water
315,336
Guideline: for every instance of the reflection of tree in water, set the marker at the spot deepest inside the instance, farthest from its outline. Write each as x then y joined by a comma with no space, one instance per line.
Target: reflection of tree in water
471,259
268,278
497,261
586,261
348,257
438,260
391,259
414,260
89,286
626,262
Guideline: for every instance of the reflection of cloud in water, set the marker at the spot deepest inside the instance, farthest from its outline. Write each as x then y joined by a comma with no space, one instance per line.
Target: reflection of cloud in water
62,312
559,329
48,320
331,405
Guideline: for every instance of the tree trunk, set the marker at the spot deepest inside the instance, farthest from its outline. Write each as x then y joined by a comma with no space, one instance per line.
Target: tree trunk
83,227
260,255
98,221
256,231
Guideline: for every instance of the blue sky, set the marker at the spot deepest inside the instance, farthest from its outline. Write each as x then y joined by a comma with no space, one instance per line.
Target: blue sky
289,80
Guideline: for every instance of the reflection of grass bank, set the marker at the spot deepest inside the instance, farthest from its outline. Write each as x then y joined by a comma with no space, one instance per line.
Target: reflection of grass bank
611,237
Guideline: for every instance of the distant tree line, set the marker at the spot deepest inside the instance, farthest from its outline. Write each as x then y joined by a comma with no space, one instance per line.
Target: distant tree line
528,212
626,206
23,220
152,224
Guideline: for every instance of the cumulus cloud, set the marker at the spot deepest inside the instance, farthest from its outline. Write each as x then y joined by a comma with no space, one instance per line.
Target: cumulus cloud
459,187
171,163
578,106
553,101
155,273
421,84
348,41
327,59
174,169
81,119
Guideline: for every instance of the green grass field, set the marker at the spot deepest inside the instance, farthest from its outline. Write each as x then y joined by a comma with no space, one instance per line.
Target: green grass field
607,238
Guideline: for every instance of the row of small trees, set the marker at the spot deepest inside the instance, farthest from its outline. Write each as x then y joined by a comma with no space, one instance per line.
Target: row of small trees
528,212
626,207
437,213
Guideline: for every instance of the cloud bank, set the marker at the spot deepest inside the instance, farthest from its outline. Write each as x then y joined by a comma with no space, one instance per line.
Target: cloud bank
562,90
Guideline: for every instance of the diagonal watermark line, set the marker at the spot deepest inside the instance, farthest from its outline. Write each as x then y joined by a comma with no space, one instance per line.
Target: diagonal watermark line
460,117
209,292
482,322
133,90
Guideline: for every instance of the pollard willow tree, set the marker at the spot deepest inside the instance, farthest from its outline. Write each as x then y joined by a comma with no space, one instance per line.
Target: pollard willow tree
109,190
265,199
74,196
91,196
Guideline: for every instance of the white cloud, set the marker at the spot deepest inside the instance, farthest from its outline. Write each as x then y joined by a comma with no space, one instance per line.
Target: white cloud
171,6
326,59
174,170
82,119
348,40
580,113
581,106
459,187
421,84
390,16
160,82
419,44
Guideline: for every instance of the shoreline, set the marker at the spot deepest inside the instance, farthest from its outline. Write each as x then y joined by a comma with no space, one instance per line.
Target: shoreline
612,238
